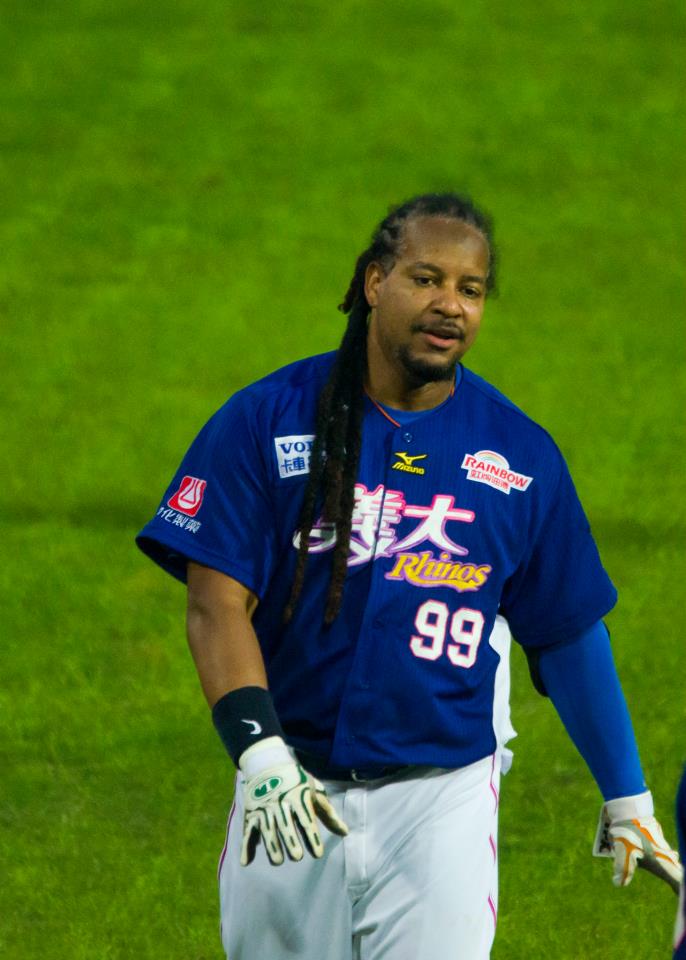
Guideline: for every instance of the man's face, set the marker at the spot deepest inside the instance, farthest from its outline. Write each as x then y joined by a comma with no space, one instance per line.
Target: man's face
426,310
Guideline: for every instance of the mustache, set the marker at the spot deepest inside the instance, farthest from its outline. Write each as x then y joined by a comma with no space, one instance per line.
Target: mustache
440,329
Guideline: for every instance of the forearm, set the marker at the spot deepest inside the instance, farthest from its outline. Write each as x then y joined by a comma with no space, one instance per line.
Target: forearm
277,791
582,683
229,660
221,637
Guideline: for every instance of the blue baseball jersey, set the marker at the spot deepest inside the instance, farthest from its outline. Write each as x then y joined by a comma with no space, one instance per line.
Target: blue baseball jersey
466,511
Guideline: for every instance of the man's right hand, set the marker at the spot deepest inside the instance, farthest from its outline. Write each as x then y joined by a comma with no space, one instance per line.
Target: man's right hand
282,805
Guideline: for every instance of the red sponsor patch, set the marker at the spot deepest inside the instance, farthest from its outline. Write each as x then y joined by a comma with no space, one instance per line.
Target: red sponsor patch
188,498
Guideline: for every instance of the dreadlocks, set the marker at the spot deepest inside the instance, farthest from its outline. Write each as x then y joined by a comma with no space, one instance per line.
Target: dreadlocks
338,431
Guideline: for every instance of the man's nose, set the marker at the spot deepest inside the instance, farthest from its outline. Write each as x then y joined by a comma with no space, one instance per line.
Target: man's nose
448,303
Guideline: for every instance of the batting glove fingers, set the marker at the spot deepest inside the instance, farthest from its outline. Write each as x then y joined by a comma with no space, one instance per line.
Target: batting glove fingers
275,827
630,835
273,800
260,825
306,819
282,804
325,810
641,843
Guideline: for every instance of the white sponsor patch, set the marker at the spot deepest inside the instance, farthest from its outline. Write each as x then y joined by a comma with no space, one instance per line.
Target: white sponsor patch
293,454
494,470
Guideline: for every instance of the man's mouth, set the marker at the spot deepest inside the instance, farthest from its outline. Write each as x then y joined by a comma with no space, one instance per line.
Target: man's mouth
441,337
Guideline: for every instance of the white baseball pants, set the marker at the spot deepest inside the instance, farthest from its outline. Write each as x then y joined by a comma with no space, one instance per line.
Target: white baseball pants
416,879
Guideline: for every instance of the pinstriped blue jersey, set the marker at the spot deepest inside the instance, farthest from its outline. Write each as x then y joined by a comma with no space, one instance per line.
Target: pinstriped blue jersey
464,512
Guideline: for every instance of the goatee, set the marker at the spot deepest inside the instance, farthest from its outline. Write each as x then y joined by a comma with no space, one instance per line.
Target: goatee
420,372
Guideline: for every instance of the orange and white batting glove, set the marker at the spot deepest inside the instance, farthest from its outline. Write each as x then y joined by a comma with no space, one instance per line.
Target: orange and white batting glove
282,805
629,833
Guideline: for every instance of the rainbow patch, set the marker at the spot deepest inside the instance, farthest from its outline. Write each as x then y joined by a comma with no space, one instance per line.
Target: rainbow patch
492,468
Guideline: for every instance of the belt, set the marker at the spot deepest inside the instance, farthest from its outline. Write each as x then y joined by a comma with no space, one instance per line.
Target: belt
323,770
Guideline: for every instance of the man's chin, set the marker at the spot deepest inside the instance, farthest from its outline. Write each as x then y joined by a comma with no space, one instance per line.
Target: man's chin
421,370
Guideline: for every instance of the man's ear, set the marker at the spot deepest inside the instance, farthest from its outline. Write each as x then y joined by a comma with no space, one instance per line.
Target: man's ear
373,276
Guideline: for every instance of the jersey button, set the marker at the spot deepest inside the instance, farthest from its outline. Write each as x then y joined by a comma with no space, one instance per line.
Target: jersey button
407,437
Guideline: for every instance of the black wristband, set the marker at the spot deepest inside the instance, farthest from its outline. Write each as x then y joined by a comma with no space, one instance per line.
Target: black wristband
243,717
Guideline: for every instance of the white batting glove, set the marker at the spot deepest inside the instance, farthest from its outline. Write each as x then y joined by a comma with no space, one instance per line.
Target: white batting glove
629,833
282,804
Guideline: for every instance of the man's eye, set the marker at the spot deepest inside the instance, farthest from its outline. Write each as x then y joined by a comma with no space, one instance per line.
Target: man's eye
424,281
471,292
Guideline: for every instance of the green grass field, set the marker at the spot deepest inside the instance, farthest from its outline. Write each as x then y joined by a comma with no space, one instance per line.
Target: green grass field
185,188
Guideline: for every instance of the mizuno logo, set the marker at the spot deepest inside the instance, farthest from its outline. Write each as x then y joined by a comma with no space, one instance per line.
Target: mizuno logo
407,459
405,462
256,728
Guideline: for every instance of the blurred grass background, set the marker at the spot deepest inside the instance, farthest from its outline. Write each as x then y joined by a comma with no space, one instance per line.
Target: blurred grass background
184,191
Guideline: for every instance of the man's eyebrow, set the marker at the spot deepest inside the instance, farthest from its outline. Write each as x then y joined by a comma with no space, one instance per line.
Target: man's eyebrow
423,265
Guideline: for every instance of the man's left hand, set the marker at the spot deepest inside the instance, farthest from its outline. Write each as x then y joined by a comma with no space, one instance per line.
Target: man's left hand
630,834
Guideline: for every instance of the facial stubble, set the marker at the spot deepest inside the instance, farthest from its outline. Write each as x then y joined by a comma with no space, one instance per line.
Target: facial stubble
420,372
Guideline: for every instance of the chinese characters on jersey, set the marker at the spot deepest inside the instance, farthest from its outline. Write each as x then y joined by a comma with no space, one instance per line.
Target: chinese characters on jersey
375,519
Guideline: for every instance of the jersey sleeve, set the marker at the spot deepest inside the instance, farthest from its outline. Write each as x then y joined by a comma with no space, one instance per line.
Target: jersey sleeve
560,588
217,510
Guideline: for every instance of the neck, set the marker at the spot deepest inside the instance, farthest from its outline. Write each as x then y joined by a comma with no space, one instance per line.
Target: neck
395,391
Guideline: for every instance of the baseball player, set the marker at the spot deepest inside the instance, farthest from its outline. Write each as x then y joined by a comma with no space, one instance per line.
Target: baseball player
359,532
680,924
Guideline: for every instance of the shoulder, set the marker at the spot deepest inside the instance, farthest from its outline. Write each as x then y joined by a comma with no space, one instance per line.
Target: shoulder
512,434
488,395
296,376
280,406
495,405
299,382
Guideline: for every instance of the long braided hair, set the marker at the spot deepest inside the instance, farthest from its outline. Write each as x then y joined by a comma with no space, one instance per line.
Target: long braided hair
338,432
